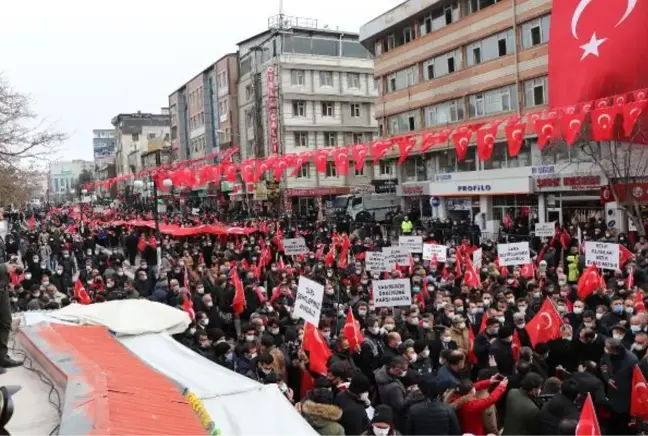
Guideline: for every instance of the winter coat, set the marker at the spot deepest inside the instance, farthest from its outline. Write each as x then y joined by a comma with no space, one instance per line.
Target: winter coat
323,417
554,411
446,379
354,415
619,369
392,393
471,413
432,417
521,414
461,338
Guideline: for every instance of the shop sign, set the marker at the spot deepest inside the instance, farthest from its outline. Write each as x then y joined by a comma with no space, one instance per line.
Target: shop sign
474,188
443,177
543,169
513,185
273,116
317,192
635,191
385,186
413,189
571,183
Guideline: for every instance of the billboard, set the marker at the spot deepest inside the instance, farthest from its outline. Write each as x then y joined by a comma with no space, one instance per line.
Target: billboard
104,150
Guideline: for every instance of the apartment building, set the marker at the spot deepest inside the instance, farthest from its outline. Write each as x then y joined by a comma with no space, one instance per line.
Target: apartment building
138,133
204,115
103,147
318,85
440,63
63,177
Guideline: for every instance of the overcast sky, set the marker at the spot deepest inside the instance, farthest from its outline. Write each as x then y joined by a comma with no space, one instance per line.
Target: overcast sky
83,62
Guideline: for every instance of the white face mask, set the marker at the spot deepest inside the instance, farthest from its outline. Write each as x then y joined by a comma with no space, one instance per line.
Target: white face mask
635,328
425,353
380,431
578,310
413,357
446,339
487,302
250,338
618,336
599,315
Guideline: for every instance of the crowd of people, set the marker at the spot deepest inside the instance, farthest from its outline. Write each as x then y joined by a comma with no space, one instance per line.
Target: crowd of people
459,359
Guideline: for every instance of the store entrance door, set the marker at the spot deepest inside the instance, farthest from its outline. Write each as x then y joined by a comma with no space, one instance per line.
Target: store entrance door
554,215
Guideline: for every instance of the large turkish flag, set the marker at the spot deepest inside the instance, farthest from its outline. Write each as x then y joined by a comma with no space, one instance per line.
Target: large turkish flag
597,49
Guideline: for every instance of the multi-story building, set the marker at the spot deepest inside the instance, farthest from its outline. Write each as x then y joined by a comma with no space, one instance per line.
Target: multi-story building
441,63
204,116
63,177
103,146
318,85
139,133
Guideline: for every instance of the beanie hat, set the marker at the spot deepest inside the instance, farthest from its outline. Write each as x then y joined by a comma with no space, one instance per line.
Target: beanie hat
383,413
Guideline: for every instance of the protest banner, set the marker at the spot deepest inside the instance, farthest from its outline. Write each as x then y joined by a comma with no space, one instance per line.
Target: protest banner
477,259
295,246
602,254
396,256
392,293
414,244
545,230
435,251
375,262
515,253
308,303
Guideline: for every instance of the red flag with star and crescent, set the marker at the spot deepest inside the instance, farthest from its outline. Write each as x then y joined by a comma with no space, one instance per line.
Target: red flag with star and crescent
588,424
545,325
639,395
604,42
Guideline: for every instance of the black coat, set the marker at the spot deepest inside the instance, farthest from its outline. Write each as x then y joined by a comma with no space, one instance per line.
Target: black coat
555,410
354,417
432,418
619,369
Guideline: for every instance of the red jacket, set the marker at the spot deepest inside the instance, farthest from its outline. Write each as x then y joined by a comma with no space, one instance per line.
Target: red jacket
470,413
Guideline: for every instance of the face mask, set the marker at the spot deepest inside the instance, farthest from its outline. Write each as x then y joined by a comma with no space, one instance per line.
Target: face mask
578,310
638,347
425,353
380,431
589,324
487,302
389,327
617,309
501,319
412,358
330,291
261,329
36,295
459,309
473,311
635,328
362,312
59,271
568,338
28,276
599,315
329,274
562,309
266,371
446,339
204,322
200,290
46,283
618,336
413,321
326,335
250,338
461,325
629,310
374,330
402,374
14,300
143,266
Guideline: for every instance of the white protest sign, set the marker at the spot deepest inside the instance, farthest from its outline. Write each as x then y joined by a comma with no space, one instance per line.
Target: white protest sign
396,255
603,255
414,244
295,246
545,230
308,303
375,261
392,293
477,259
515,253
434,251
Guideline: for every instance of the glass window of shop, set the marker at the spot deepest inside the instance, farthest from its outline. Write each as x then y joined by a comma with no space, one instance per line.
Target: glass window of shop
448,162
415,169
517,205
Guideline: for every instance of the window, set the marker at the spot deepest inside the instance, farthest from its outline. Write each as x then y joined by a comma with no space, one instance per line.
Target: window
403,79
357,138
298,77
535,92
326,78
524,158
472,6
331,171
330,139
327,109
536,32
405,122
150,136
492,102
223,110
304,171
490,48
359,172
301,139
299,109
248,92
355,110
470,162
408,35
411,123
414,169
444,113
135,137
249,119
391,80
385,168
353,80
222,80
440,18
498,159
441,65
167,136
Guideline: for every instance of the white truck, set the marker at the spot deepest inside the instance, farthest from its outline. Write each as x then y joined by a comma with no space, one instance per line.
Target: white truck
362,206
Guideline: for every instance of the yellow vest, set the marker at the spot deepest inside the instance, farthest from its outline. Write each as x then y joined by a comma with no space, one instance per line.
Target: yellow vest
406,226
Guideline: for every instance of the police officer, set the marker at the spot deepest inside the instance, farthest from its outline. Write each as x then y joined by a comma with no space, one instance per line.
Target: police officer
406,226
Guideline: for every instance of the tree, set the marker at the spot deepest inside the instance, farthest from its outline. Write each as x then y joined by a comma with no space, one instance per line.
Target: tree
84,178
623,163
19,185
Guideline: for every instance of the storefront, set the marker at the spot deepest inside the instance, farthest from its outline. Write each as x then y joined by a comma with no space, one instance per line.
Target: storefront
304,200
386,186
415,198
564,197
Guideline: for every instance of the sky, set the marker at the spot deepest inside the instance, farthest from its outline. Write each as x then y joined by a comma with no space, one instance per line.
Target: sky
83,62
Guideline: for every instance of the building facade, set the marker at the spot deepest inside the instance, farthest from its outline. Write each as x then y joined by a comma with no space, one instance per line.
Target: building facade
64,175
300,89
103,147
139,133
440,63
204,116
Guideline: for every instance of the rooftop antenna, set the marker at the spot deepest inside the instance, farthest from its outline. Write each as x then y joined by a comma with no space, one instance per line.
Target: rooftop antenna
281,14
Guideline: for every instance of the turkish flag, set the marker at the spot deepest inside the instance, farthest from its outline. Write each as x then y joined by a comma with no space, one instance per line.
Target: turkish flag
597,49
486,141
545,325
229,171
624,254
588,423
359,154
80,293
640,95
516,345
299,162
470,278
318,351
631,113
429,140
187,306
588,282
238,303
603,120
378,149
279,167
263,165
602,103
472,358
483,324
546,130
248,170
351,331
515,137
619,100
528,271
320,158
571,126
341,160
405,146
639,396
461,139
